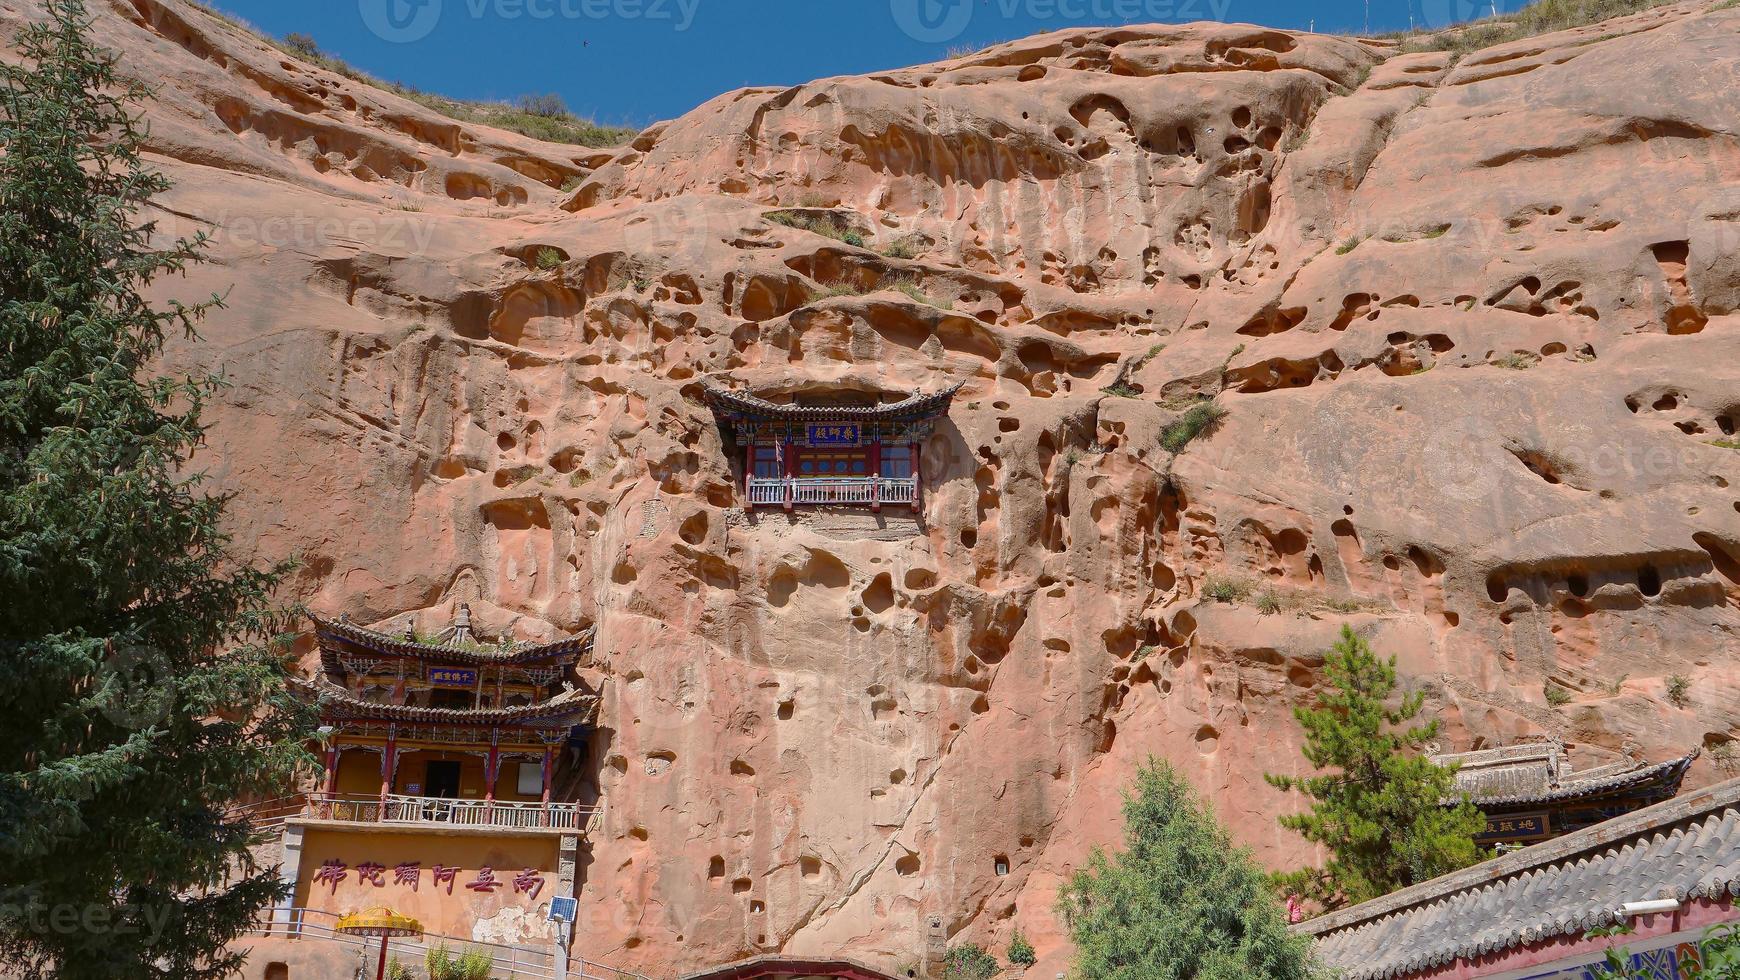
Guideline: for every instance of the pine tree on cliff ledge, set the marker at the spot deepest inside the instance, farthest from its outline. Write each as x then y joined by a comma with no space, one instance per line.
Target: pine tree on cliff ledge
139,695
1379,810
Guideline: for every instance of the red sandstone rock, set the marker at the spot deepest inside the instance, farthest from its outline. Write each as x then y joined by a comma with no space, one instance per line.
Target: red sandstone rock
1473,326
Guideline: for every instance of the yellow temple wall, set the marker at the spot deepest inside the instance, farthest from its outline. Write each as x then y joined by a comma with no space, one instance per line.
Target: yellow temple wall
359,773
500,915
410,777
507,782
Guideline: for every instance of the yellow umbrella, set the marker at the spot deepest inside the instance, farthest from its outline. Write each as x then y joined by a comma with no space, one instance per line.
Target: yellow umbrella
382,922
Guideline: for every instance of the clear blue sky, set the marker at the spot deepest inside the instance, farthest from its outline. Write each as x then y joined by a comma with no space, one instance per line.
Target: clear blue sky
637,61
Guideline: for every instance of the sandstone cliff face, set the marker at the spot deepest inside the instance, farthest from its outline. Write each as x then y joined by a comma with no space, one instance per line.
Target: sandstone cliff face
1473,324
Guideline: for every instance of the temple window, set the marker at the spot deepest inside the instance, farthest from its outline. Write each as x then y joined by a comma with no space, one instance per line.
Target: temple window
897,467
460,700
850,451
766,462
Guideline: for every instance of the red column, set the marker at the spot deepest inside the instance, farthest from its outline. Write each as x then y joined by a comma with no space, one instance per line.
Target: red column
748,472
490,767
917,479
789,462
876,471
330,784
545,819
388,758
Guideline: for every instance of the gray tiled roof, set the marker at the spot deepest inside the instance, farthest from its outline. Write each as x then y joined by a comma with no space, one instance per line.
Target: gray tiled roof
915,406
1685,848
1515,770
331,634
564,710
1538,772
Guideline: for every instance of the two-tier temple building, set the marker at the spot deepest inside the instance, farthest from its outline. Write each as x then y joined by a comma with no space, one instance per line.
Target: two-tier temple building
846,448
451,788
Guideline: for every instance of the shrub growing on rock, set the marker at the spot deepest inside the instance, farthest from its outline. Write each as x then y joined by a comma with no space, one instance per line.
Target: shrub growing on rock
302,44
968,961
1679,688
1226,589
548,105
1179,902
905,247
473,964
1196,420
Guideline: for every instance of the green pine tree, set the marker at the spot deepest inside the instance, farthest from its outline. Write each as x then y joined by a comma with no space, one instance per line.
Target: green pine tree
1379,809
140,694
1179,902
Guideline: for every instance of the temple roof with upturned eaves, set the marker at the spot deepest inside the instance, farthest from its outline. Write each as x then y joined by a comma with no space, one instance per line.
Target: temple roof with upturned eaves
343,643
336,703
1539,773
917,406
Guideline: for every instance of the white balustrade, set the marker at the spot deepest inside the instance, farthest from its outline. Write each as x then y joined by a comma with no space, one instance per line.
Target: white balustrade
776,491
450,812
765,491
900,491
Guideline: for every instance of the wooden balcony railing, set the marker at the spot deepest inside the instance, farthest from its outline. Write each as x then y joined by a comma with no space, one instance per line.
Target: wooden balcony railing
436,811
853,490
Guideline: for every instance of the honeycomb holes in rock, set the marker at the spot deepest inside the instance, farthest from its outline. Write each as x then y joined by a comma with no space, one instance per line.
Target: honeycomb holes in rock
1649,580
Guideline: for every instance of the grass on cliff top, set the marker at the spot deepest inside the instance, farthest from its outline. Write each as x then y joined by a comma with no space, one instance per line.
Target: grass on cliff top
551,127
542,117
1540,17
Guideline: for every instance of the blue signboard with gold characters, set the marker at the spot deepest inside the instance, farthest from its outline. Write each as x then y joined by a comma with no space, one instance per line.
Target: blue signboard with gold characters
1515,827
833,434
452,677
